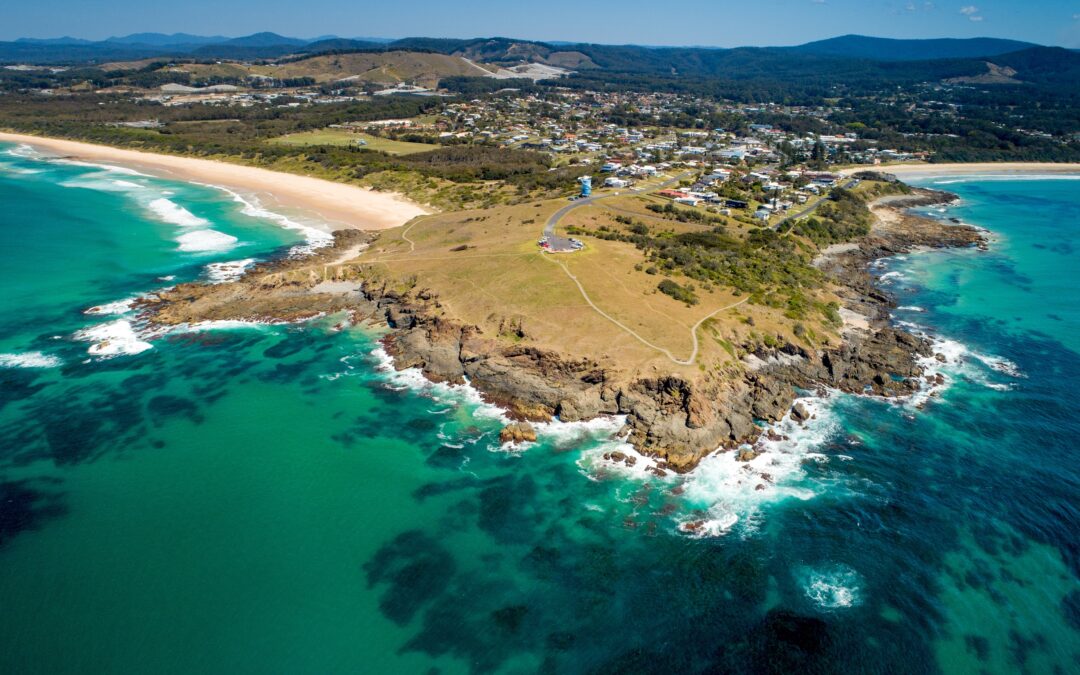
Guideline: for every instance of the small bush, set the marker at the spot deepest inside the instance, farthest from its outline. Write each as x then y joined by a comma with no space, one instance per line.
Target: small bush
669,287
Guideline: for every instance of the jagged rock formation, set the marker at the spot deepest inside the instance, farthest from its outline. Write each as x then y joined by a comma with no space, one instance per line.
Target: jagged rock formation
673,417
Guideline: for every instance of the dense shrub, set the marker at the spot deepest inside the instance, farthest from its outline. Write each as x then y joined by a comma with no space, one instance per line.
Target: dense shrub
680,293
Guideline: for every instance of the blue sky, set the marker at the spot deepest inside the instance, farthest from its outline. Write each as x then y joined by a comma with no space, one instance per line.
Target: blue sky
723,23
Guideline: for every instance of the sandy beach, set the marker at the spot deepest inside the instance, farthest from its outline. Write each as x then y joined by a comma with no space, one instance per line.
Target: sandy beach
317,202
994,168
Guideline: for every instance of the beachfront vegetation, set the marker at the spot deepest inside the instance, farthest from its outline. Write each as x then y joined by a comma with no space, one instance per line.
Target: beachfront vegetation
448,177
769,267
844,216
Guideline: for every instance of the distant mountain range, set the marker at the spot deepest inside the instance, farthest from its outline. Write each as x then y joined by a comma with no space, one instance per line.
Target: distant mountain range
162,40
850,60
272,45
887,49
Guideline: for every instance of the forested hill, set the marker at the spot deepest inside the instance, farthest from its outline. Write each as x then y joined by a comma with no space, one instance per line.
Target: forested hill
848,65
886,49
496,50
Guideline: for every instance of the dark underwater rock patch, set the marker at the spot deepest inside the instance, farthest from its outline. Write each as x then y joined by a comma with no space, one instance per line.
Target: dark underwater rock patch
446,457
26,504
415,568
165,406
284,348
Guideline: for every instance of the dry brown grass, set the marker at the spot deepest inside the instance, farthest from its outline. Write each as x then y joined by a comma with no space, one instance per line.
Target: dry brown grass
502,277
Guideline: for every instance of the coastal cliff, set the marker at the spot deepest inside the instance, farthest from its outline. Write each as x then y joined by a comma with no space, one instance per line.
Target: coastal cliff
676,418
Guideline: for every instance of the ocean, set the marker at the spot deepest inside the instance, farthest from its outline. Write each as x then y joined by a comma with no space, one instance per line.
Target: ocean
242,498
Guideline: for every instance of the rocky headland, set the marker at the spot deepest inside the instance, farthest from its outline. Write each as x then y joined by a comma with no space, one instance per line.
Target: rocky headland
674,418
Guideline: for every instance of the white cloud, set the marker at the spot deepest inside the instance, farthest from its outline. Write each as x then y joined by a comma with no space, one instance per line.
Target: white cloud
971,12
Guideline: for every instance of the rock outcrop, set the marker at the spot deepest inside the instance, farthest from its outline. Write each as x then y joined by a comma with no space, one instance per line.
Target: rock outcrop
517,432
672,417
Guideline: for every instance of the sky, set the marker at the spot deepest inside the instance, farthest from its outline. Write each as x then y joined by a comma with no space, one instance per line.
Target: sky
719,23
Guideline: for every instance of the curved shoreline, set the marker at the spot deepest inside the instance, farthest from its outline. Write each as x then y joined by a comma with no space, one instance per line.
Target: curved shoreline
675,420
321,203
970,169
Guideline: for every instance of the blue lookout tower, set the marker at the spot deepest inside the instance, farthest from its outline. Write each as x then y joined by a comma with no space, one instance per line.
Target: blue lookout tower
586,185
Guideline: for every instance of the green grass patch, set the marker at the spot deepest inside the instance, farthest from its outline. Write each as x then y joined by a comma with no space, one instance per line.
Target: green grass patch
343,137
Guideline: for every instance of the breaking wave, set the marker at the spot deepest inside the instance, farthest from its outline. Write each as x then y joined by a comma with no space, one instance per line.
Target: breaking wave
113,339
722,491
249,206
29,360
230,270
201,241
170,212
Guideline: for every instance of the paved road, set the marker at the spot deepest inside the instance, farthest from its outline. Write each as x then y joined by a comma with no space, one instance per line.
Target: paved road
810,209
562,244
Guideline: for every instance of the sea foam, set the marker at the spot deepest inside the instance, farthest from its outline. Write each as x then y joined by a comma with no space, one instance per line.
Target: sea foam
832,587
250,206
11,168
722,491
980,178
220,324
111,308
111,168
440,392
29,360
201,241
101,182
564,435
230,270
26,151
171,212
956,360
113,339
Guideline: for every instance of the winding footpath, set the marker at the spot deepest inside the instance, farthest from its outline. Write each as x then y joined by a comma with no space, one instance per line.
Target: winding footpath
405,232
562,244
693,330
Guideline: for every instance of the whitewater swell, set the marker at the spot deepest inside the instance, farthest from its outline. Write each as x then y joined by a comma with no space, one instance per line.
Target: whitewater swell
250,206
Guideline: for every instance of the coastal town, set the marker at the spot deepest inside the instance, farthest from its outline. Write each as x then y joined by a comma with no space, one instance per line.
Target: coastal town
752,170
635,352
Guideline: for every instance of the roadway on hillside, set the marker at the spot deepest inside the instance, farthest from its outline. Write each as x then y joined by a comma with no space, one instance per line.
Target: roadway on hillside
564,245
813,207
549,232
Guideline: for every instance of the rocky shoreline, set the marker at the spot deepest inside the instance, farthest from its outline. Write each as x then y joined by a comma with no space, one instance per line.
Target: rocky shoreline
673,419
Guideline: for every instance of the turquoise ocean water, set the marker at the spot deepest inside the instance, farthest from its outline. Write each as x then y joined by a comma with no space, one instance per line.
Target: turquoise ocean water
253,499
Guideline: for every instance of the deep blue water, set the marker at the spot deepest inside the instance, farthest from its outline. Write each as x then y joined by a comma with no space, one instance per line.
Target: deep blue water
271,500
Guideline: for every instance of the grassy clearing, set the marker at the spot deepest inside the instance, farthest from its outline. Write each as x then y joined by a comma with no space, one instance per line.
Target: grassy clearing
379,67
487,271
208,70
343,137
